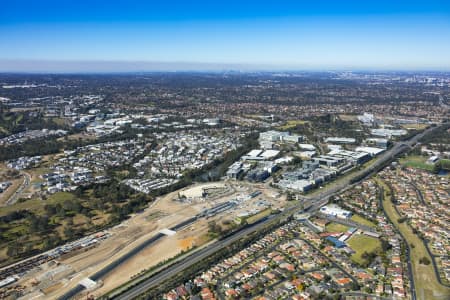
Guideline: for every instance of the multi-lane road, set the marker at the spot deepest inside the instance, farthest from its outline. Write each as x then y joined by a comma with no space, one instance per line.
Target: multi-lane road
309,203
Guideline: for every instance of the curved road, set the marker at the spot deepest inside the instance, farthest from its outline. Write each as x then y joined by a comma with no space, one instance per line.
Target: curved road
189,261
26,182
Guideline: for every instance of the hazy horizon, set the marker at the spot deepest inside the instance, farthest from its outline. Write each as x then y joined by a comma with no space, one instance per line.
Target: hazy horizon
98,66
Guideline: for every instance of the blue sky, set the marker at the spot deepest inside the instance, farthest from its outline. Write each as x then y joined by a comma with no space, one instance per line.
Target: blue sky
269,34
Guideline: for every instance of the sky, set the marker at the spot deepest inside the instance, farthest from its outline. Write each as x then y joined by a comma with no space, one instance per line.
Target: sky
119,35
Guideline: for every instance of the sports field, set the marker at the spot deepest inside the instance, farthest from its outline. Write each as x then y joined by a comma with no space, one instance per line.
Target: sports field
417,161
363,243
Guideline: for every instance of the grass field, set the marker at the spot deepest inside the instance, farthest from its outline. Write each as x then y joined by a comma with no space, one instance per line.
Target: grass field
36,205
59,121
259,216
347,118
369,163
291,124
362,243
444,164
33,205
416,161
361,220
415,126
39,171
61,196
427,285
335,227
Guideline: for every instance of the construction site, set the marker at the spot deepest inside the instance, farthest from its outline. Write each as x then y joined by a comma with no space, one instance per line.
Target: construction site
172,224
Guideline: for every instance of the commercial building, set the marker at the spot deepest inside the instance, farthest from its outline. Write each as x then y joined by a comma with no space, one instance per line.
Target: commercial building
371,150
292,138
354,157
259,154
388,132
367,119
340,140
268,138
335,211
305,178
235,170
258,175
272,136
308,147
300,185
329,161
212,121
306,154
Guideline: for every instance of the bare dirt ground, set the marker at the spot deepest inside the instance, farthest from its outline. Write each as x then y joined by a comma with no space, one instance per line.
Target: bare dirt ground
163,213
168,247
196,190
127,236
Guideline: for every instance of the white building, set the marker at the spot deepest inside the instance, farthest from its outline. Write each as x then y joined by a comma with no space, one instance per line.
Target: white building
371,150
367,119
267,138
388,132
340,140
308,147
259,154
335,211
212,121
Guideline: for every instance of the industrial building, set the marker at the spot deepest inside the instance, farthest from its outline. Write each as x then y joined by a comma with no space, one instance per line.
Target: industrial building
354,157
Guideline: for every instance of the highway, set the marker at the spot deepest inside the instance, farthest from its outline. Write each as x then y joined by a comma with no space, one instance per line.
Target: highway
310,204
192,260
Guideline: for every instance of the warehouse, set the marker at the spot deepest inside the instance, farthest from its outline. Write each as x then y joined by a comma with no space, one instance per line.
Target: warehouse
329,161
371,150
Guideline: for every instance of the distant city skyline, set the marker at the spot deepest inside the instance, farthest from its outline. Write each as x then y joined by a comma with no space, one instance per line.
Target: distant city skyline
134,36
